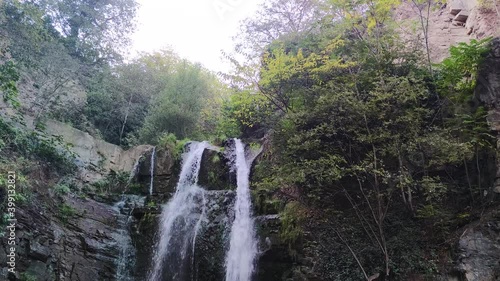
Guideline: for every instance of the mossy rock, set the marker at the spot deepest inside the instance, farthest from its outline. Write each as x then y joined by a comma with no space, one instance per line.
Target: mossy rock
215,172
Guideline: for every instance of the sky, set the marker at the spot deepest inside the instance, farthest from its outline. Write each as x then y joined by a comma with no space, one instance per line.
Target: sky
196,29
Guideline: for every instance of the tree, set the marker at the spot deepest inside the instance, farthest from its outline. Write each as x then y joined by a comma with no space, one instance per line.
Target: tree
277,19
48,72
94,31
178,108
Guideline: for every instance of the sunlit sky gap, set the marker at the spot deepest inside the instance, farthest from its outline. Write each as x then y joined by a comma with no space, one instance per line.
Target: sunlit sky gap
196,29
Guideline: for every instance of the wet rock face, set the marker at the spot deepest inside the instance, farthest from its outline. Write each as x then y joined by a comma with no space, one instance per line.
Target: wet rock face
211,241
164,181
144,232
479,251
274,261
83,246
215,172
213,238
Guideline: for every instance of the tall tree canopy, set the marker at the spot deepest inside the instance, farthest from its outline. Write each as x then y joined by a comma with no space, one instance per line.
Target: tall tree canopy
94,31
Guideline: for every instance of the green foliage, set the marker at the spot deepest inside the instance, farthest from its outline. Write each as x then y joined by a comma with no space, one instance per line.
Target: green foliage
4,220
458,72
61,189
120,97
134,188
433,188
363,128
20,198
27,277
178,108
175,146
8,83
92,31
36,144
244,112
292,220
66,212
114,182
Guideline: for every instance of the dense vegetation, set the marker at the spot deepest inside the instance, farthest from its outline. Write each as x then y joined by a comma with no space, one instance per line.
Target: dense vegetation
374,155
387,152
67,57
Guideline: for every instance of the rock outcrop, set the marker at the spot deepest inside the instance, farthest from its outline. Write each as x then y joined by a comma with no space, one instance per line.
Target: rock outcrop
164,179
95,157
479,245
215,173
479,250
59,244
488,93
450,22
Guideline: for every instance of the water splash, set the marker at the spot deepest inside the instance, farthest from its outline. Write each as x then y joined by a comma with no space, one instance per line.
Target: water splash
243,243
152,170
180,221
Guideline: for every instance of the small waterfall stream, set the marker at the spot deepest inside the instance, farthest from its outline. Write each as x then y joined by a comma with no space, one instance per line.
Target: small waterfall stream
152,170
125,262
243,243
180,221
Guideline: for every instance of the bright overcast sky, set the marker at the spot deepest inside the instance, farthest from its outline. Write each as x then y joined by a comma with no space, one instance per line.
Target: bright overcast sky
196,29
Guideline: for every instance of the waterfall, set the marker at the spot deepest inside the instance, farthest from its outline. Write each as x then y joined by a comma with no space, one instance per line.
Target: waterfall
152,171
243,243
126,256
180,221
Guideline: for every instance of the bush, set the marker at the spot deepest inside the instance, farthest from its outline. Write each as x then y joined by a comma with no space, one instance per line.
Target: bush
292,220
27,277
66,212
114,181
61,189
170,141
36,144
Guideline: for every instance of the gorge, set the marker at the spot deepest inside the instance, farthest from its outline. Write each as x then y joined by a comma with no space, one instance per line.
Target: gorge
351,140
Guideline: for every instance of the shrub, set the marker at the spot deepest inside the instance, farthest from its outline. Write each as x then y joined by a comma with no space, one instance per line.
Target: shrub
66,212
61,189
292,220
27,277
170,141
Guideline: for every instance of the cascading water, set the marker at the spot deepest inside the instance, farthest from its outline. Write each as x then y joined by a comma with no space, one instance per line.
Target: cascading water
152,170
243,243
125,261
180,222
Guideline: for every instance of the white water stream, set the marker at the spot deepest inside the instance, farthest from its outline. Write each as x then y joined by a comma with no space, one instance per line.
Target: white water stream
180,221
152,170
243,243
